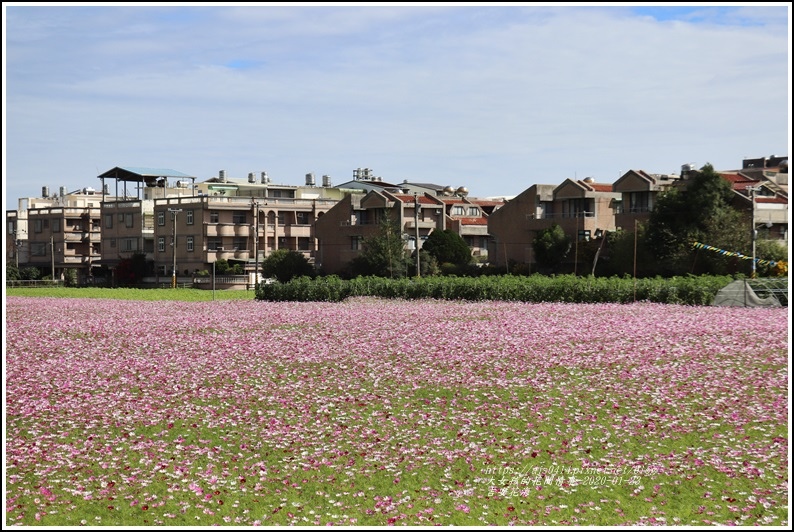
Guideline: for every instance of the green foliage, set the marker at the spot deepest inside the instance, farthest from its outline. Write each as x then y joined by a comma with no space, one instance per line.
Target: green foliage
130,272
70,277
536,288
29,273
551,246
383,254
447,246
699,212
285,264
12,272
222,267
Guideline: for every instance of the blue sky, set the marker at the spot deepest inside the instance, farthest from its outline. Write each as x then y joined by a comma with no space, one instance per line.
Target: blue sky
492,97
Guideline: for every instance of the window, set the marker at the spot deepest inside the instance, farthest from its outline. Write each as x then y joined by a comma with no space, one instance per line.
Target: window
37,226
458,210
584,235
189,241
213,217
214,244
121,216
474,211
129,244
108,221
56,225
38,249
639,201
161,218
161,244
189,217
282,219
302,218
12,228
355,243
128,219
240,243
304,243
239,217
113,242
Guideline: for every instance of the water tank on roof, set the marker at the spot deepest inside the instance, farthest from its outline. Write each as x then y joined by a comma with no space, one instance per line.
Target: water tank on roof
264,179
448,191
310,179
251,177
45,192
589,180
327,181
222,176
62,191
462,192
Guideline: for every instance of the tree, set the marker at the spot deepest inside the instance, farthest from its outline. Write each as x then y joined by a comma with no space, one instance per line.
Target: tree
551,246
382,254
447,246
12,272
285,264
132,270
700,212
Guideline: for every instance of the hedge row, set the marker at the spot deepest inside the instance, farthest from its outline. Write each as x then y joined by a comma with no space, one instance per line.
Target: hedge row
691,290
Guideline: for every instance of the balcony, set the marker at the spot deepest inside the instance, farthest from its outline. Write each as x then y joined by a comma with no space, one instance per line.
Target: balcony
298,230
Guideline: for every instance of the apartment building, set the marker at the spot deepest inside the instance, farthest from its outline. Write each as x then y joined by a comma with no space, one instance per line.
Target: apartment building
192,225
583,208
638,191
343,229
58,232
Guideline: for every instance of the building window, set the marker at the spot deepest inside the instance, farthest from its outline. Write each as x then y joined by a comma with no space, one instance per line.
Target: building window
458,210
474,211
128,219
129,244
56,225
161,244
113,242
639,201
214,245
584,235
302,218
240,243
304,243
12,228
213,217
37,226
282,218
239,217
38,249
189,241
189,217
161,218
108,221
355,243
121,216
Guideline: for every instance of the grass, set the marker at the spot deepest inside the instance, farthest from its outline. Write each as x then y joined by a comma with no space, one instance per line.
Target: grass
142,294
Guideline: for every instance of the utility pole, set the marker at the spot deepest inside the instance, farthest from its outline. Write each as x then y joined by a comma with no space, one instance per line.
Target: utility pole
256,243
754,233
173,212
416,229
52,256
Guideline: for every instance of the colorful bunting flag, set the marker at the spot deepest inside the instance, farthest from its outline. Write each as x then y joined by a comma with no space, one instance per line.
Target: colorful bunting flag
699,245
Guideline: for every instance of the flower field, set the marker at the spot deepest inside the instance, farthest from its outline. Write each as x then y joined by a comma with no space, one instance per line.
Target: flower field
376,412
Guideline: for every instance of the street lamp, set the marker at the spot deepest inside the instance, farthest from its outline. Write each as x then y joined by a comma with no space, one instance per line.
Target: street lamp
174,212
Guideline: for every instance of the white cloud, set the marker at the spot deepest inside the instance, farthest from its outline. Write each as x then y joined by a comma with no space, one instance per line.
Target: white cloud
495,98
